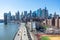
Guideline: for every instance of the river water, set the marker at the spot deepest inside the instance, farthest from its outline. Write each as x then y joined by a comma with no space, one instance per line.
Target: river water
7,32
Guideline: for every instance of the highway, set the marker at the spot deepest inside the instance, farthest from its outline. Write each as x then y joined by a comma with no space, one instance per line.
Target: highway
24,33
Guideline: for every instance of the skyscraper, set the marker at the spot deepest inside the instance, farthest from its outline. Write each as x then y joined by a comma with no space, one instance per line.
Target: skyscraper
25,13
17,16
39,13
45,13
21,16
34,15
30,13
25,16
9,17
5,18
13,17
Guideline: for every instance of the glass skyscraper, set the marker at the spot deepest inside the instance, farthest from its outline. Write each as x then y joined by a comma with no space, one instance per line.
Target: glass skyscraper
5,18
45,13
39,13
17,16
9,17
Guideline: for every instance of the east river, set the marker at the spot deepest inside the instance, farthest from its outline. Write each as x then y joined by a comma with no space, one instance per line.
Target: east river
7,32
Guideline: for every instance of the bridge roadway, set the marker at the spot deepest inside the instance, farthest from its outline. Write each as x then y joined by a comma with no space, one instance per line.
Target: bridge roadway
22,33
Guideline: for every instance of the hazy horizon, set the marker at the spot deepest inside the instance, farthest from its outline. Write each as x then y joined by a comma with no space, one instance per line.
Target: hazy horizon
26,5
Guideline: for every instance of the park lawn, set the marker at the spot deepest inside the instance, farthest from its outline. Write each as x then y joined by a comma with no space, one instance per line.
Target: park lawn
45,38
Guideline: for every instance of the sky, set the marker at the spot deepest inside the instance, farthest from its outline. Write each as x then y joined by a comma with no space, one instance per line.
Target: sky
26,5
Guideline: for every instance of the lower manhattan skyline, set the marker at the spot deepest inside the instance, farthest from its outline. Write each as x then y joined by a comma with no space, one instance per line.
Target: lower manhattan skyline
27,5
29,19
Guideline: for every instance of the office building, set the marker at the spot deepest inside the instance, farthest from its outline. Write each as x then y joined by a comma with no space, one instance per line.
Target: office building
22,15
45,13
50,16
13,17
34,15
39,13
9,17
5,18
17,16
25,13
30,13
